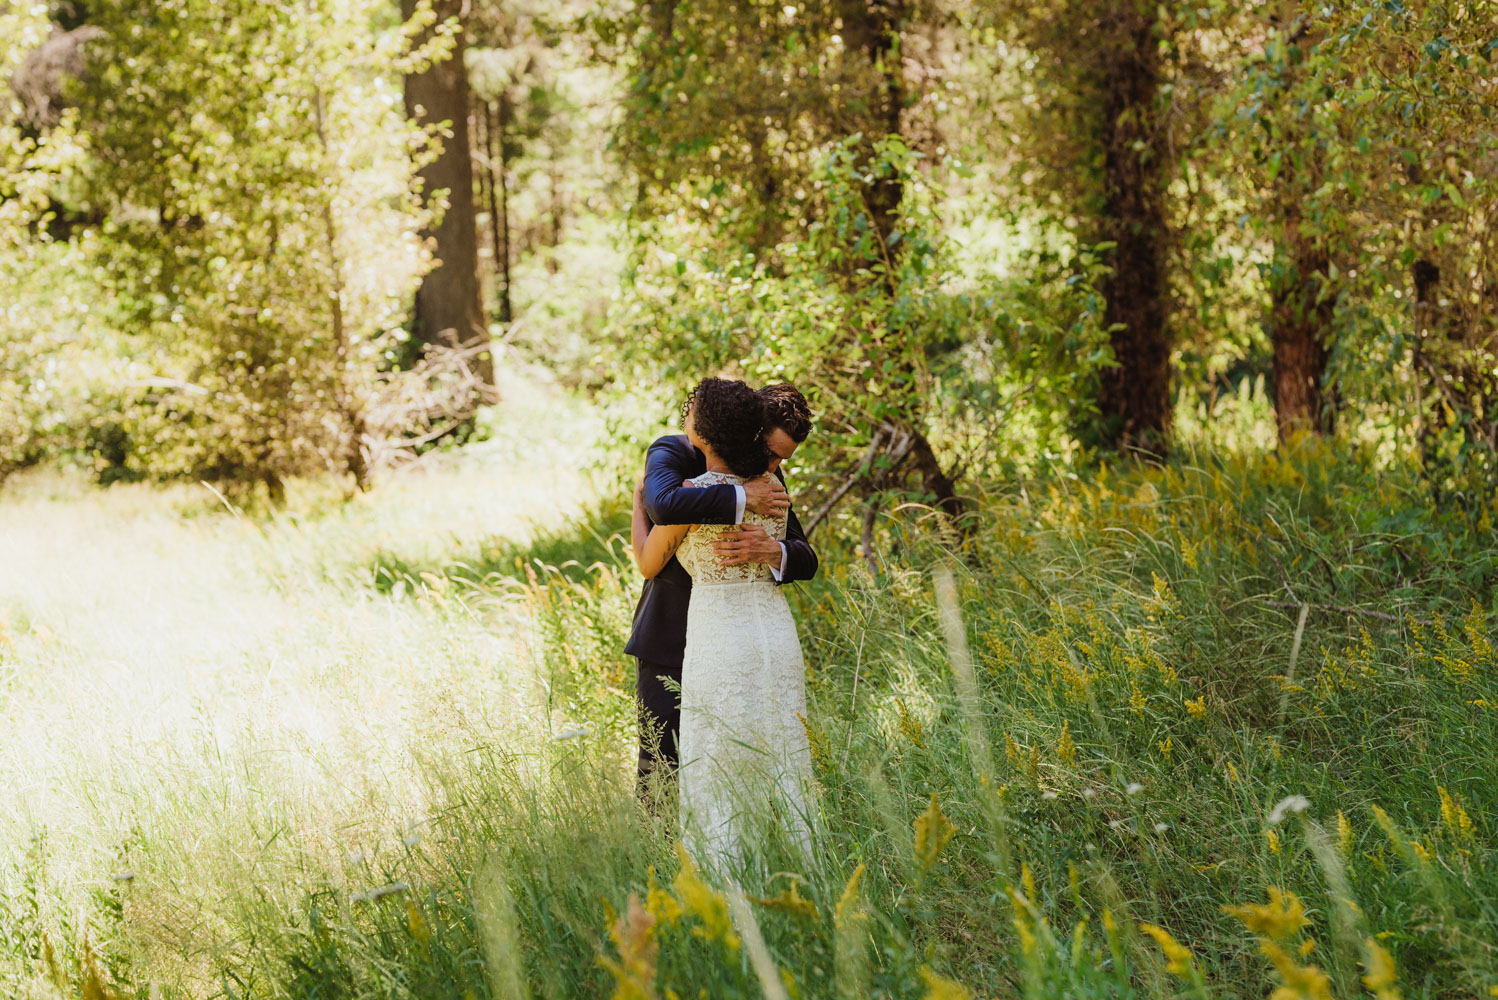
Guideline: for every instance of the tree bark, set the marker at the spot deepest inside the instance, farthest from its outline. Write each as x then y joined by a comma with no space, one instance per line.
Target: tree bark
871,27
552,264
1300,320
449,303
497,160
1462,391
1134,397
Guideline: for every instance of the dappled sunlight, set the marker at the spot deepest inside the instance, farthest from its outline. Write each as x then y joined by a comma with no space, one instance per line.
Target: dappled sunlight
198,678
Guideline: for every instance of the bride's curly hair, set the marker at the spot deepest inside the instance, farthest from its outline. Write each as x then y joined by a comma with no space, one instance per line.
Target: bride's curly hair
730,417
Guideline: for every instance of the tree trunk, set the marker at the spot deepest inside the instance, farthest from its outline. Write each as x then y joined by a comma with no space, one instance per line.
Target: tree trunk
872,29
497,159
449,303
1299,325
345,396
1134,396
1462,390
552,264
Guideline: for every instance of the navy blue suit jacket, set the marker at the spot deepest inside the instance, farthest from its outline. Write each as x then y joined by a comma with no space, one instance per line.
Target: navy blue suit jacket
659,635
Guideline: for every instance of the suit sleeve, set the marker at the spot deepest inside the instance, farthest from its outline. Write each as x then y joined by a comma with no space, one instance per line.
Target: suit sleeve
800,558
667,463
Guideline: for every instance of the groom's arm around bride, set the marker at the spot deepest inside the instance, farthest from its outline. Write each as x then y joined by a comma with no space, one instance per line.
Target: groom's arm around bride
672,459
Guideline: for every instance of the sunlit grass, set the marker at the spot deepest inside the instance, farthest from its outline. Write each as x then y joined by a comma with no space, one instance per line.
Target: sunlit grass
384,747
192,698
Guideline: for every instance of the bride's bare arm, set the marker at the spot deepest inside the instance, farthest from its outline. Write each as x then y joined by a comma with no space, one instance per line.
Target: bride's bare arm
654,545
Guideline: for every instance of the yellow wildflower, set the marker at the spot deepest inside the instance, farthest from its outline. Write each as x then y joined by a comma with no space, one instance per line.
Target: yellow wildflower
634,935
1232,772
932,832
1476,627
1274,841
942,988
1066,749
1167,747
661,904
1022,916
1344,834
1197,707
1012,751
910,726
416,923
701,901
1381,971
1027,879
847,910
1299,982
1453,816
1177,955
791,901
1164,598
1137,699
817,742
1282,916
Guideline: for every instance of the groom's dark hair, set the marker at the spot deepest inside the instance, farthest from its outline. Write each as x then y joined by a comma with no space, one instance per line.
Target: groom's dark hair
786,408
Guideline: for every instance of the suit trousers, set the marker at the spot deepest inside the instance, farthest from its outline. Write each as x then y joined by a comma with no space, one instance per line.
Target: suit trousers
660,716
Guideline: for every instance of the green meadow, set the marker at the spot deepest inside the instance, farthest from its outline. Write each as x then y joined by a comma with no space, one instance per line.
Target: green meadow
1213,728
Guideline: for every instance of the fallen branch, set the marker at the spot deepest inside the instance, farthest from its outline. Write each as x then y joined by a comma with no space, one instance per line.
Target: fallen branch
858,473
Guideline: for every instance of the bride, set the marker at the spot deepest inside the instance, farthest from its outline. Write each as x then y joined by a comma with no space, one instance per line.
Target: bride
742,745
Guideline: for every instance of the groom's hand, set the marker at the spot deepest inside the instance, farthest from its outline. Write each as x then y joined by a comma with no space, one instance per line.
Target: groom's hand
748,543
766,496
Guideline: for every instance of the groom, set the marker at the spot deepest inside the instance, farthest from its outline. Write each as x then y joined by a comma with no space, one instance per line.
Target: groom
659,636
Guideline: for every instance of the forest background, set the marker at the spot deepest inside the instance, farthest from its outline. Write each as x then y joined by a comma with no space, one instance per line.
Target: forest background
1153,352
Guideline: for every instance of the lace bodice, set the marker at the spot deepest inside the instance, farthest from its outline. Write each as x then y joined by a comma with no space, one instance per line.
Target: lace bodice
696,552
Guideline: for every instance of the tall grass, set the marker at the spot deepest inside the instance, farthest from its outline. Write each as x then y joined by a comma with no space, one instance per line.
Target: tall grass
1209,729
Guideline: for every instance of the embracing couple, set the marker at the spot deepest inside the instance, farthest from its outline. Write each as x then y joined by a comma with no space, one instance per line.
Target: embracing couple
722,682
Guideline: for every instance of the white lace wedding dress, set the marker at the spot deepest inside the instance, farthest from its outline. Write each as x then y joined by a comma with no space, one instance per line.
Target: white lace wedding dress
743,692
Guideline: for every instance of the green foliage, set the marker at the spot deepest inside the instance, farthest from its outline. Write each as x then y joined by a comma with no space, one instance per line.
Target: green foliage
731,108
44,332
260,247
1357,129
876,333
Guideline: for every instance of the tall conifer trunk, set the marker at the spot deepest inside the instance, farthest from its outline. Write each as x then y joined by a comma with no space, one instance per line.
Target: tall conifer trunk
1135,396
449,298
496,156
